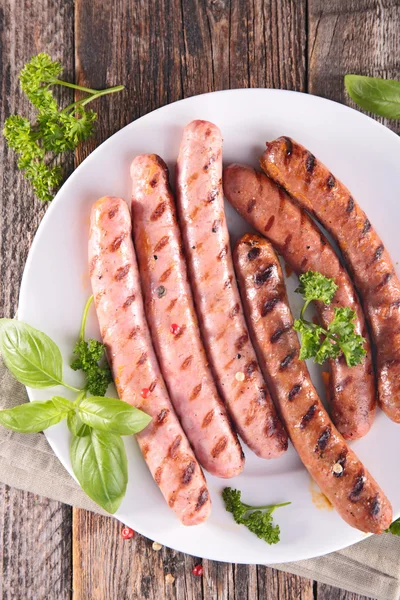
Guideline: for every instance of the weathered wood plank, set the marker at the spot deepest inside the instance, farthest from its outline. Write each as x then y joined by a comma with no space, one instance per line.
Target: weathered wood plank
203,46
35,542
351,36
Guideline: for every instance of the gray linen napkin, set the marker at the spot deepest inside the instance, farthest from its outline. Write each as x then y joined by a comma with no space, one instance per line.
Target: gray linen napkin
27,462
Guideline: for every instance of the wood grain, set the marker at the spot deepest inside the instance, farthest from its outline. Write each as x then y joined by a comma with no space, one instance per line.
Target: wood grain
35,542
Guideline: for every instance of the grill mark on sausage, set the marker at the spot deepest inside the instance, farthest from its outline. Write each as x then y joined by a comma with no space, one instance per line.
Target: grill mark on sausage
378,252
216,225
153,182
262,277
145,450
173,449
331,181
289,146
228,364
157,475
262,396
161,243
287,241
234,311
172,304
122,272
180,332
282,200
269,224
113,211
212,195
303,263
250,368
219,446
158,211
202,499
142,359
323,440
208,418
366,228
358,487
172,498
133,333
341,460
228,282
93,264
343,384
241,341
395,304
253,253
220,334
223,253
153,385
287,360
195,391
269,306
192,178
294,391
98,297
188,473
129,301
279,333
211,160
310,164
193,214
251,204
375,506
187,362
162,416
306,418
350,205
114,246
166,274
386,278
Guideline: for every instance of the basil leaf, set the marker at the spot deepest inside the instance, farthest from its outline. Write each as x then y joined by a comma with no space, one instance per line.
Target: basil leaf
76,426
32,417
62,403
111,414
31,356
379,96
100,465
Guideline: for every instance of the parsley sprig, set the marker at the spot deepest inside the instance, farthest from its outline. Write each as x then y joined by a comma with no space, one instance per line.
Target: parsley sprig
394,527
258,519
55,130
317,342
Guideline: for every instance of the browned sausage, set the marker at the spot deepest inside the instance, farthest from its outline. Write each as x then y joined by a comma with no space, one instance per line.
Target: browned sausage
315,188
119,305
173,322
336,469
270,210
205,234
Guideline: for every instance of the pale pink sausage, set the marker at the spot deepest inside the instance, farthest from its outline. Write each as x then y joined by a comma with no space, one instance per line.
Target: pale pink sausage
218,304
118,299
173,322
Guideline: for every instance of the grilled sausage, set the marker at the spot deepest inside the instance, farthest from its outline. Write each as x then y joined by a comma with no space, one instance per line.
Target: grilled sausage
312,185
330,462
217,300
173,322
295,236
119,305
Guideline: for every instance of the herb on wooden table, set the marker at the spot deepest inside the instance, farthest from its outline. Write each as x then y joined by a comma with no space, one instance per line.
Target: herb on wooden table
379,96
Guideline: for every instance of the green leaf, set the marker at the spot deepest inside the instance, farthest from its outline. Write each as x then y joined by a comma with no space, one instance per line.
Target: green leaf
62,403
111,414
315,286
32,417
100,465
379,96
31,356
310,337
76,426
394,528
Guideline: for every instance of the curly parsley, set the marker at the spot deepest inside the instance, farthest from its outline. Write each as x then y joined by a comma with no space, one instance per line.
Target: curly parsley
319,343
55,130
258,519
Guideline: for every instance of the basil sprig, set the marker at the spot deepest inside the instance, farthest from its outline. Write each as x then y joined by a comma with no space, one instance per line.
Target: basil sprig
96,423
379,96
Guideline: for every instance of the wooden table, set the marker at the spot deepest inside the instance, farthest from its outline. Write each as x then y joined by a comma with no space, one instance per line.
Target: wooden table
162,50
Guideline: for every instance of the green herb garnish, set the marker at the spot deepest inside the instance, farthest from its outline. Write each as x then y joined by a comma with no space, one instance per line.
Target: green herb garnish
319,343
55,130
394,528
379,96
96,423
258,519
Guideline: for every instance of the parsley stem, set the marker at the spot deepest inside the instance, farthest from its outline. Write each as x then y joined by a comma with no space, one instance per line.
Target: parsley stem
96,94
303,310
266,506
84,319
73,86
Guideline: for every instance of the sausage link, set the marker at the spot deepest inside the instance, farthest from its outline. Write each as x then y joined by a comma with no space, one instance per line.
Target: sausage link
173,322
314,187
217,300
119,305
269,209
334,466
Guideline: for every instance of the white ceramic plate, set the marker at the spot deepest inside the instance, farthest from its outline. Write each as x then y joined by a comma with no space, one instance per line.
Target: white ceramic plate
55,287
